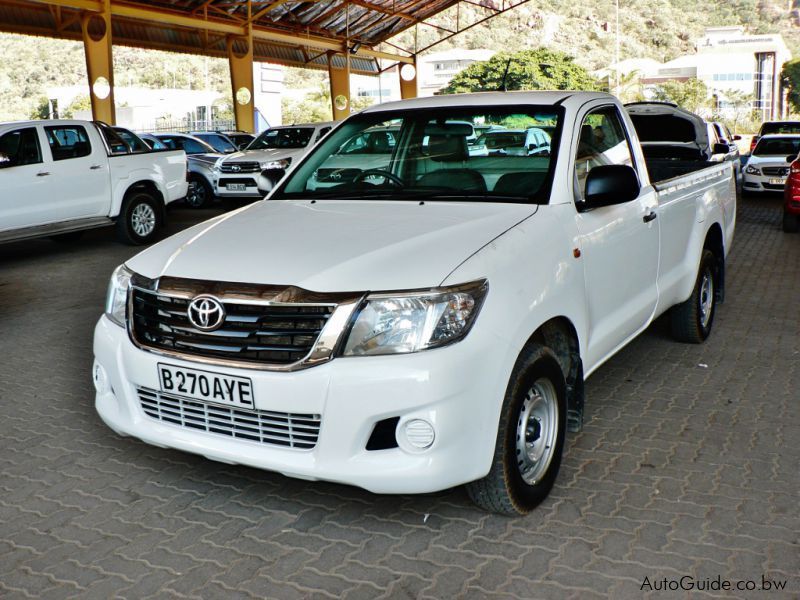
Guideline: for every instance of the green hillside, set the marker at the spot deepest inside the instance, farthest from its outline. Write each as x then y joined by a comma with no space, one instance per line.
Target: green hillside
659,29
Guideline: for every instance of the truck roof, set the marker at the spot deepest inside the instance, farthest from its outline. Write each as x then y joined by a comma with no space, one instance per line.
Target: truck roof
490,99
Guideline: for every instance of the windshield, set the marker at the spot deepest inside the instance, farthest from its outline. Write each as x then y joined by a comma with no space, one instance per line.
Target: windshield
424,154
188,144
777,147
780,127
285,137
218,142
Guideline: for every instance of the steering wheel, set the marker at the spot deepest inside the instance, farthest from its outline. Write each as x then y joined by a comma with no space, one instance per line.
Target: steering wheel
380,173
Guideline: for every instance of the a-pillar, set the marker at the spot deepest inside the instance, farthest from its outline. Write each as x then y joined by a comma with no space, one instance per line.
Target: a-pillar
96,28
408,79
240,59
340,87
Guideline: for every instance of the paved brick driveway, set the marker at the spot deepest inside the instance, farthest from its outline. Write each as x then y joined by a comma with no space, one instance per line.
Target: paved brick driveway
688,465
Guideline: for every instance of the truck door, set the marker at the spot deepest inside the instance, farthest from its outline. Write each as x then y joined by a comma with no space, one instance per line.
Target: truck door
619,244
24,175
79,179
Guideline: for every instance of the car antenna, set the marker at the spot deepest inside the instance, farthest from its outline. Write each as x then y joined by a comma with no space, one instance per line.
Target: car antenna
503,83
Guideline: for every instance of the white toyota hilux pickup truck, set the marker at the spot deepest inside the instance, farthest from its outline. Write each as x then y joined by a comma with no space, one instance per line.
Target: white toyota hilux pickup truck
60,177
423,325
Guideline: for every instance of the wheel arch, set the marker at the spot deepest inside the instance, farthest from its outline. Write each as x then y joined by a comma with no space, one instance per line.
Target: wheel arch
147,186
560,335
715,242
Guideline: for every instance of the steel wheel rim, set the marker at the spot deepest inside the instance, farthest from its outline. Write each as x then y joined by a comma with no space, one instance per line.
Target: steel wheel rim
537,431
143,219
706,298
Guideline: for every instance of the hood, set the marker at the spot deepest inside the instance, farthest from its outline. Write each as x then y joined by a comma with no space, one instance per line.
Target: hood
263,155
777,161
206,159
333,245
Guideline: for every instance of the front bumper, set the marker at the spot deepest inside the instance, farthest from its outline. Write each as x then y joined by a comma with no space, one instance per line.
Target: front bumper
763,183
457,389
246,185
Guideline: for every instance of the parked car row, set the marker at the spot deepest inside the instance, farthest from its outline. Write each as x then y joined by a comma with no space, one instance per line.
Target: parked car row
60,177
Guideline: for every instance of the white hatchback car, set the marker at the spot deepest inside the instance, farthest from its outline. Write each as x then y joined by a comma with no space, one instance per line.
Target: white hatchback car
768,165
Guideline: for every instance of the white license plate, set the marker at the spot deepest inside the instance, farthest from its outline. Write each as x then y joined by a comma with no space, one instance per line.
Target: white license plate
235,187
206,386
777,182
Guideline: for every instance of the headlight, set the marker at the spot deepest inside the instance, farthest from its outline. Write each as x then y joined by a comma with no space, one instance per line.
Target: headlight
117,296
752,170
276,164
414,321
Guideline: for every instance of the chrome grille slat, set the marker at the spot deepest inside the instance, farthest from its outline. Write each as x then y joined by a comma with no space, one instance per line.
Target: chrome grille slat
776,171
291,430
270,334
240,167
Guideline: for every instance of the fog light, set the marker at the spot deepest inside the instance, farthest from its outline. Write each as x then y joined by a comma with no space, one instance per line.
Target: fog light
419,433
99,378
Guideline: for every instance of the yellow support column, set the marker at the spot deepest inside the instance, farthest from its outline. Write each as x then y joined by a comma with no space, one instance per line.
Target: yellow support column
340,87
240,59
96,28
408,79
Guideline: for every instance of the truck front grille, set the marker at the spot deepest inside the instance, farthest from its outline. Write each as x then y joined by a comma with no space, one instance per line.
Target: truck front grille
292,430
240,167
257,333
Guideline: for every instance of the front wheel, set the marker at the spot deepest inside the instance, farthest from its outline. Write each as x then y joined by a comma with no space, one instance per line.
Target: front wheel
199,193
691,320
139,219
530,437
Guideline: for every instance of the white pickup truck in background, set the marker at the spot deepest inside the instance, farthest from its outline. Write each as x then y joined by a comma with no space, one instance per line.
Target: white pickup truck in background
60,177
426,323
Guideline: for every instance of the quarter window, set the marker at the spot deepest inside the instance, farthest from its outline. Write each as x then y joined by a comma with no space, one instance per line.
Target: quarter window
20,147
68,141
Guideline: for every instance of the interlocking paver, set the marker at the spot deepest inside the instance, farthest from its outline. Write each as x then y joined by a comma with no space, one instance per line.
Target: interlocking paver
681,469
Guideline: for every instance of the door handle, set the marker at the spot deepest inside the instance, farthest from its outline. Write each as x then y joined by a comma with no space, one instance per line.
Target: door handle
95,167
649,217
42,174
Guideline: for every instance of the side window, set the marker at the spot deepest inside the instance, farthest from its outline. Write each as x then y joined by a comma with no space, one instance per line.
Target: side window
602,141
68,141
20,147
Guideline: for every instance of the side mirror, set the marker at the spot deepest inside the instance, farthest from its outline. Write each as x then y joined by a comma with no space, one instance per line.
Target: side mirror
720,149
610,184
5,161
736,138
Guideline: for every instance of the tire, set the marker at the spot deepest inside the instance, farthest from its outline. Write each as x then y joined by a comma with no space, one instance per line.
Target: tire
691,320
534,405
199,193
140,219
791,223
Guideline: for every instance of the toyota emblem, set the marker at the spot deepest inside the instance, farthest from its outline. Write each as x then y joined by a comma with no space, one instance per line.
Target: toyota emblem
206,313
235,168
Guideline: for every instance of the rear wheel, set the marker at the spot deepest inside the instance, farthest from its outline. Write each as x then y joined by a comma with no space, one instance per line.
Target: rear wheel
140,219
199,193
791,223
530,437
691,320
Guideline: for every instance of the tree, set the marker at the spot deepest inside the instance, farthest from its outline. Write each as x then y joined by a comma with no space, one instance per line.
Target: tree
790,74
79,103
540,69
691,94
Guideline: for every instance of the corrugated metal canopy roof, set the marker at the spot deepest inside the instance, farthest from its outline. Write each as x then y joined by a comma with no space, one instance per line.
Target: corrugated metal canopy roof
284,31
